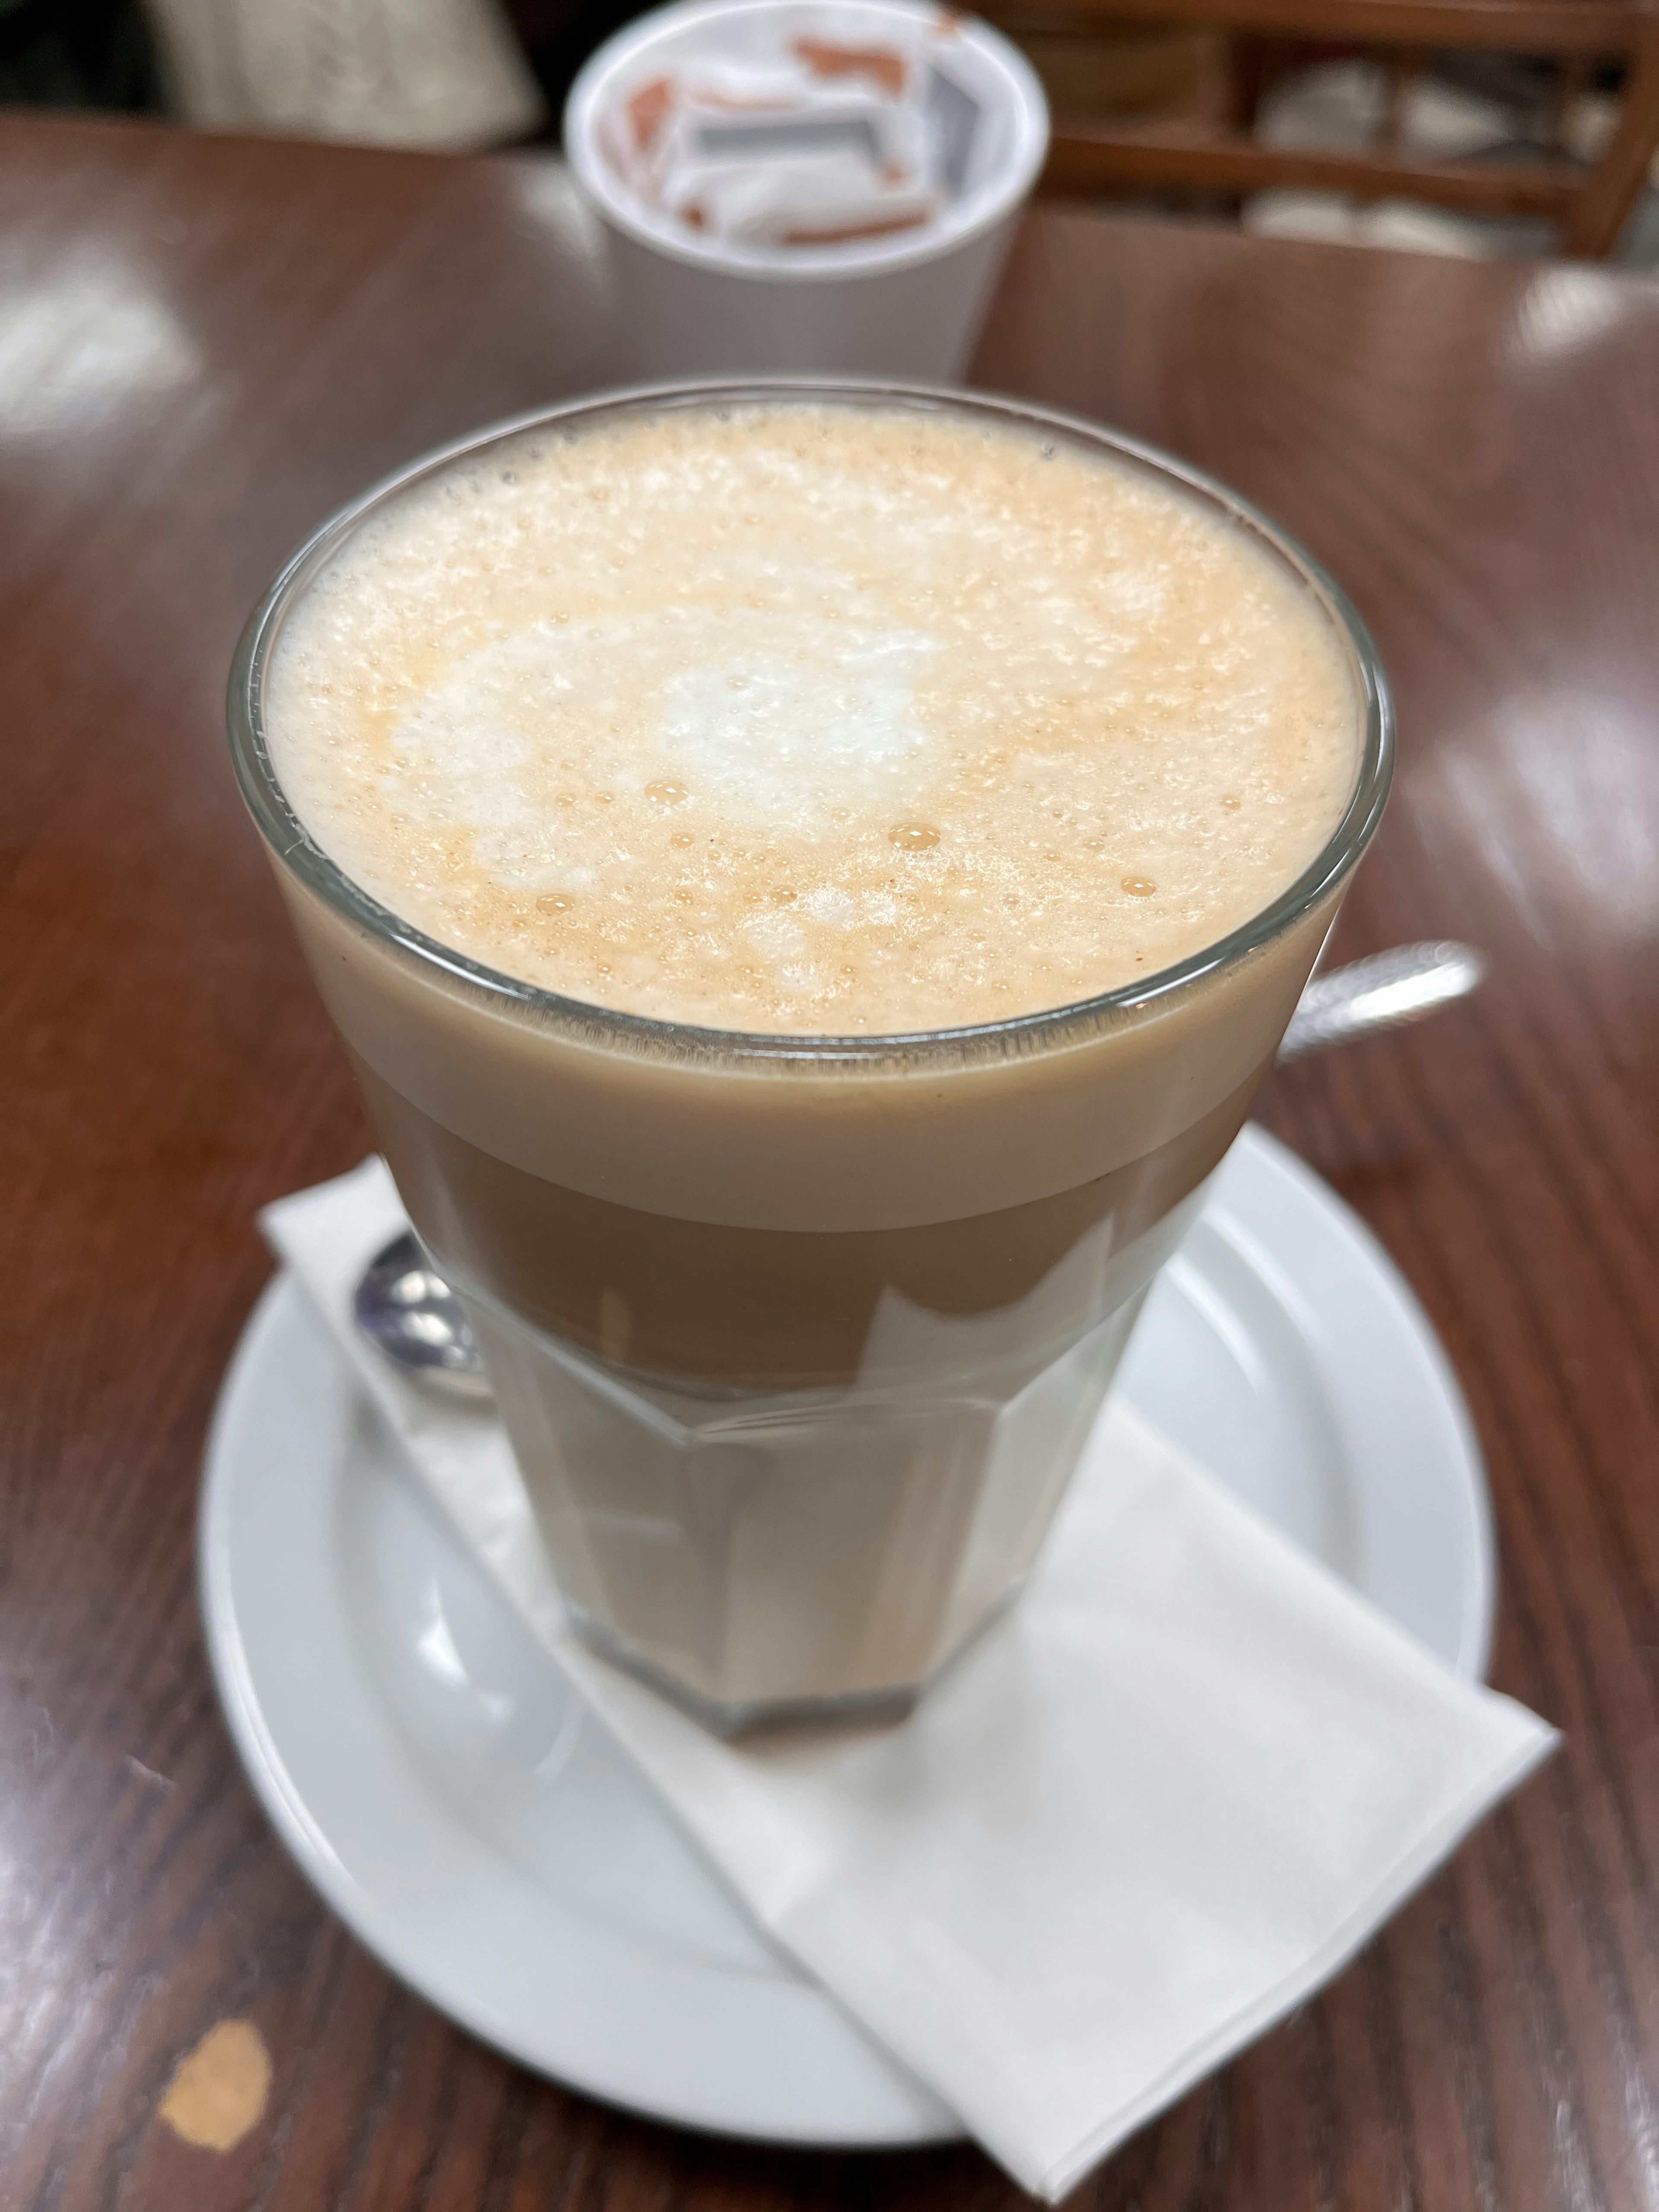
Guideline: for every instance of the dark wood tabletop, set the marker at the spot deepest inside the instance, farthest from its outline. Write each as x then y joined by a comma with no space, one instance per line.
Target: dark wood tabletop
204,344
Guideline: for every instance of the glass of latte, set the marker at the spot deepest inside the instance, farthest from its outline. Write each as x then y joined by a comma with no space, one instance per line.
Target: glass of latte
809,878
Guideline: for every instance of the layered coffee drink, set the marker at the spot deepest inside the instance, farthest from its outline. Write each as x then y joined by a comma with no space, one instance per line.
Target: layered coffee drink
810,882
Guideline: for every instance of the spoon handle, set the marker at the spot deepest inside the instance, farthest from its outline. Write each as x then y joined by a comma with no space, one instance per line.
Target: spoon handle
1383,992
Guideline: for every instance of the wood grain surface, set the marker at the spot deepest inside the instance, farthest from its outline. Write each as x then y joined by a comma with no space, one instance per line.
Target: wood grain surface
205,343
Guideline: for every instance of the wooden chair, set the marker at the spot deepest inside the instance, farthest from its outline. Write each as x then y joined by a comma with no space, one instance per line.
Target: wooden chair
1589,205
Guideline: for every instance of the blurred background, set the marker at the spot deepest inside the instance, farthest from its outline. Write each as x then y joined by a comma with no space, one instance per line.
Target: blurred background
1529,126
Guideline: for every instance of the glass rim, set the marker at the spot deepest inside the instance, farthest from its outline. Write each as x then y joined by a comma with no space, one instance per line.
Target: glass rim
292,845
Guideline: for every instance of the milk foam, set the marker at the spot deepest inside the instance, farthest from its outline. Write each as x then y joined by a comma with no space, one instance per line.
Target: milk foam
811,719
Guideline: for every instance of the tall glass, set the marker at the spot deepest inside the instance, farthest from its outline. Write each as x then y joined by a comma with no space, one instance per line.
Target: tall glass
798,1339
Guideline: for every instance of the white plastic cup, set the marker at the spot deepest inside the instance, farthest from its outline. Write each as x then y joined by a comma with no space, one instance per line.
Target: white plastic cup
908,307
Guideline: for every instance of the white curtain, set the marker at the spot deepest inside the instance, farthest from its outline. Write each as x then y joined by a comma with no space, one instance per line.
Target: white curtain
441,74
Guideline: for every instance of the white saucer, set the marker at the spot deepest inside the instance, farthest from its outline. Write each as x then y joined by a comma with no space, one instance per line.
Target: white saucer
426,1763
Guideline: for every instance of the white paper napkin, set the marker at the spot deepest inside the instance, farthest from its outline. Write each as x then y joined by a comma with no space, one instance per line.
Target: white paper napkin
1143,1817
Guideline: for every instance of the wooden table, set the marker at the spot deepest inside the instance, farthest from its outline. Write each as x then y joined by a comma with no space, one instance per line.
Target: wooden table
206,344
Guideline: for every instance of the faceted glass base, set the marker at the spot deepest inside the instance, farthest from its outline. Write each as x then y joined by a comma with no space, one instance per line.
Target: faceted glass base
809,1555
864,1709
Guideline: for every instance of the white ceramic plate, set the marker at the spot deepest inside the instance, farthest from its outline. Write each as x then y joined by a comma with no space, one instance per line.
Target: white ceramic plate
438,1781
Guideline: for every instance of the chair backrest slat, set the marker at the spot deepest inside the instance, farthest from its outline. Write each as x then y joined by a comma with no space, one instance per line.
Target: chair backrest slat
1590,206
